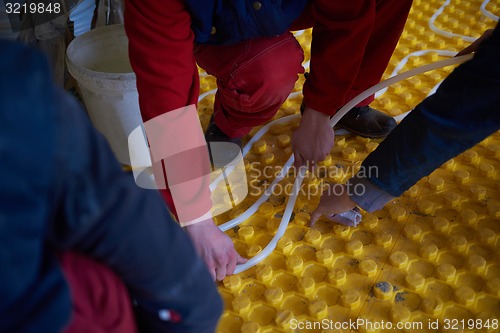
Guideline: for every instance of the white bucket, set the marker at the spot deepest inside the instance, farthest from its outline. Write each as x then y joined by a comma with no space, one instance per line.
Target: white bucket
99,61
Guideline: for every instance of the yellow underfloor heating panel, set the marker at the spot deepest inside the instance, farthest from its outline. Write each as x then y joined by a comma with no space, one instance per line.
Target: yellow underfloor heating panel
428,262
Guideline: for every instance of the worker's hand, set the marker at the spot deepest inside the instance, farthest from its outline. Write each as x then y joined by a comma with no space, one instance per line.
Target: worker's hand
215,247
313,139
334,200
473,47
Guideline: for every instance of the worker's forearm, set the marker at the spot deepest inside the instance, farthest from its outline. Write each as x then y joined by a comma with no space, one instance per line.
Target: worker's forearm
161,54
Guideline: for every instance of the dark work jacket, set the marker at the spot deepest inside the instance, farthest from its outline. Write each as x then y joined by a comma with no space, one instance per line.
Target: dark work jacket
231,21
464,110
61,189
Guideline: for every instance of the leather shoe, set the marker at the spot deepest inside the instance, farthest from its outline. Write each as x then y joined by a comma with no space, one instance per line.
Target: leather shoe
224,153
367,122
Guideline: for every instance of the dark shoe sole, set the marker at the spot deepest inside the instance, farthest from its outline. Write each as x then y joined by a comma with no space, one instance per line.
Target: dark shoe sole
223,149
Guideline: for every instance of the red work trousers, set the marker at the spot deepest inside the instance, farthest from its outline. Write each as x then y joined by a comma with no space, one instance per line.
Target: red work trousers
101,303
255,77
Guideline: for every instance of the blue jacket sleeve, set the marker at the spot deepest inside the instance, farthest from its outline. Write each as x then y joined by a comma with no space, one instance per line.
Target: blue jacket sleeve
463,111
33,293
62,190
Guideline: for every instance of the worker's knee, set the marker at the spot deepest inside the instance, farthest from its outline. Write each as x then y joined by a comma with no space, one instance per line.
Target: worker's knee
266,78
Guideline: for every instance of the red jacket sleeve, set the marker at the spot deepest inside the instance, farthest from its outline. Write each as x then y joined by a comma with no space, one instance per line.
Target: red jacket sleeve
161,54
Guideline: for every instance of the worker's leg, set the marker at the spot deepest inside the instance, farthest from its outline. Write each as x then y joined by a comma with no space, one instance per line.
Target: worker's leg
388,25
340,33
253,78
101,303
352,44
371,37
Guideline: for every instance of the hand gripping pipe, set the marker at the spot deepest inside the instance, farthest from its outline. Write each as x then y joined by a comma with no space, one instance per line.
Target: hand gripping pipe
285,220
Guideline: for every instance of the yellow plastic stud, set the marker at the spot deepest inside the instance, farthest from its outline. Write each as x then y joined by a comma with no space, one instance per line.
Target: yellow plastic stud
412,191
399,259
435,76
283,318
465,295
341,142
232,282
274,295
383,239
494,208
415,281
471,156
478,192
407,96
241,304
432,305
415,82
400,314
450,165
441,224
469,216
398,88
487,169
337,278
260,146
368,267
487,236
246,232
264,273
446,272
301,218
461,176
493,150
283,140
452,198
349,153
307,285
253,250
477,264
266,209
313,236
398,213
327,161
351,299
383,290
267,158
319,309
429,252
285,244
458,243
250,327
295,263
370,221
436,183
425,206
371,146
493,286
354,247
341,231
324,256
413,231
